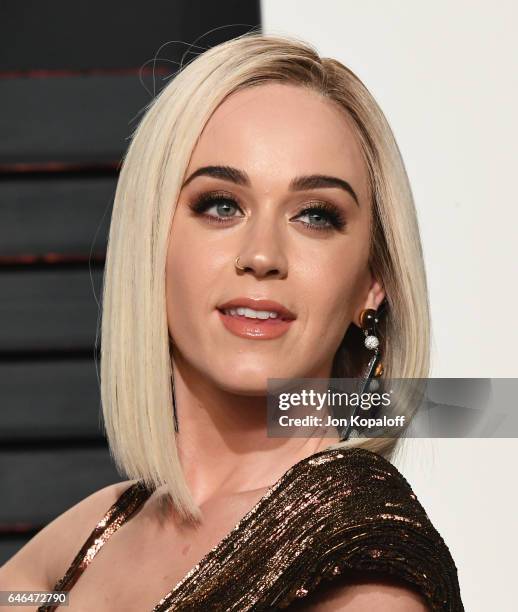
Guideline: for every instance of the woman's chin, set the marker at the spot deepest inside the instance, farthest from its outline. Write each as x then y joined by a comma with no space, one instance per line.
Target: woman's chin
242,380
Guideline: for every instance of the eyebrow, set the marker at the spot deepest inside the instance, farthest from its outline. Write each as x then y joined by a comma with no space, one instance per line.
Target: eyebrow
300,183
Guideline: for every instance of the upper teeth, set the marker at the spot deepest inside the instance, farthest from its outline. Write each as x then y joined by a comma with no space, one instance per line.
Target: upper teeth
253,314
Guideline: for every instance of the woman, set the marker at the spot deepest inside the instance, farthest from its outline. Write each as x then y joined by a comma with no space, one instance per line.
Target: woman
262,212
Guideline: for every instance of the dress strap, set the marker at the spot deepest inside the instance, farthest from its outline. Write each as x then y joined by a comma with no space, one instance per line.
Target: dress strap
123,509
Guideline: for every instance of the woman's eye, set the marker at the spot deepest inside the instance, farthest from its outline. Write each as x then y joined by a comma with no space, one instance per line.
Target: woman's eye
222,208
217,208
322,217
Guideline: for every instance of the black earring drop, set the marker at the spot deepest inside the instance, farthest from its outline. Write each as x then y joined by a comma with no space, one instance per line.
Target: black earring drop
368,321
369,318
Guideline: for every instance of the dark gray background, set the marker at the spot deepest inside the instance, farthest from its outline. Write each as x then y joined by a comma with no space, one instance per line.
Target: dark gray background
70,93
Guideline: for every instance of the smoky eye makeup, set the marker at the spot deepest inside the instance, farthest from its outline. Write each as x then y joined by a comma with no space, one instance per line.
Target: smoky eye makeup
224,206
322,216
221,207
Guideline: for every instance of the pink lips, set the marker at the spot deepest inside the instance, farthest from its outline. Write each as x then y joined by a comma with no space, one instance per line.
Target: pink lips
260,329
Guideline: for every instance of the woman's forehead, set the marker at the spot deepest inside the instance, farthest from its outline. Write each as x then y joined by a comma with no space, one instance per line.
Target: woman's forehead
278,131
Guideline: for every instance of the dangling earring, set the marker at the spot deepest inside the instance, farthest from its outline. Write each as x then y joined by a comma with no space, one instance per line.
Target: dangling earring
368,321
173,393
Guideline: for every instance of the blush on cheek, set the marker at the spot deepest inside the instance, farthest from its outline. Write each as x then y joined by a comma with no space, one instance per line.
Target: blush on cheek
178,293
339,311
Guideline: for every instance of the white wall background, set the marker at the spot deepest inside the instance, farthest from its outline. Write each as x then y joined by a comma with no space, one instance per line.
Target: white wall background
445,74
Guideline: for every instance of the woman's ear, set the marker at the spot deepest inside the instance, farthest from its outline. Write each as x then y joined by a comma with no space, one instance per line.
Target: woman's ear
375,296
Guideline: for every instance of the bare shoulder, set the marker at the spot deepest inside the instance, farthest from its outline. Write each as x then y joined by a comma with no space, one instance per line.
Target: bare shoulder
363,592
46,557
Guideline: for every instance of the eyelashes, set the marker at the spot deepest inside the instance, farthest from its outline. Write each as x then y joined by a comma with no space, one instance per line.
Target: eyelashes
324,216
330,214
207,201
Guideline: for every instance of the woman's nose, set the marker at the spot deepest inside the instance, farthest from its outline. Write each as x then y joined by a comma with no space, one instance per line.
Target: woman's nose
262,254
262,264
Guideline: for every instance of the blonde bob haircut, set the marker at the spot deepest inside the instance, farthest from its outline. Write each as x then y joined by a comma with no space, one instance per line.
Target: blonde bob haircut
136,383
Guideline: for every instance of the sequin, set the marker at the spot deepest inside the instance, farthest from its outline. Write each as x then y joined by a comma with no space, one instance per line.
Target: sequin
328,512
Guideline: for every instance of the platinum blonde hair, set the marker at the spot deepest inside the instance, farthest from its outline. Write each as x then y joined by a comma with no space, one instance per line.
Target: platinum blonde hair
136,386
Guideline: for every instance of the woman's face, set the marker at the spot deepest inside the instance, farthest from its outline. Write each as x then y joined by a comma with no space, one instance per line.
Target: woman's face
303,242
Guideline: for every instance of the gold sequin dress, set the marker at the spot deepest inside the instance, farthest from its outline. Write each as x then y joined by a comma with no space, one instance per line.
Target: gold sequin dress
335,511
